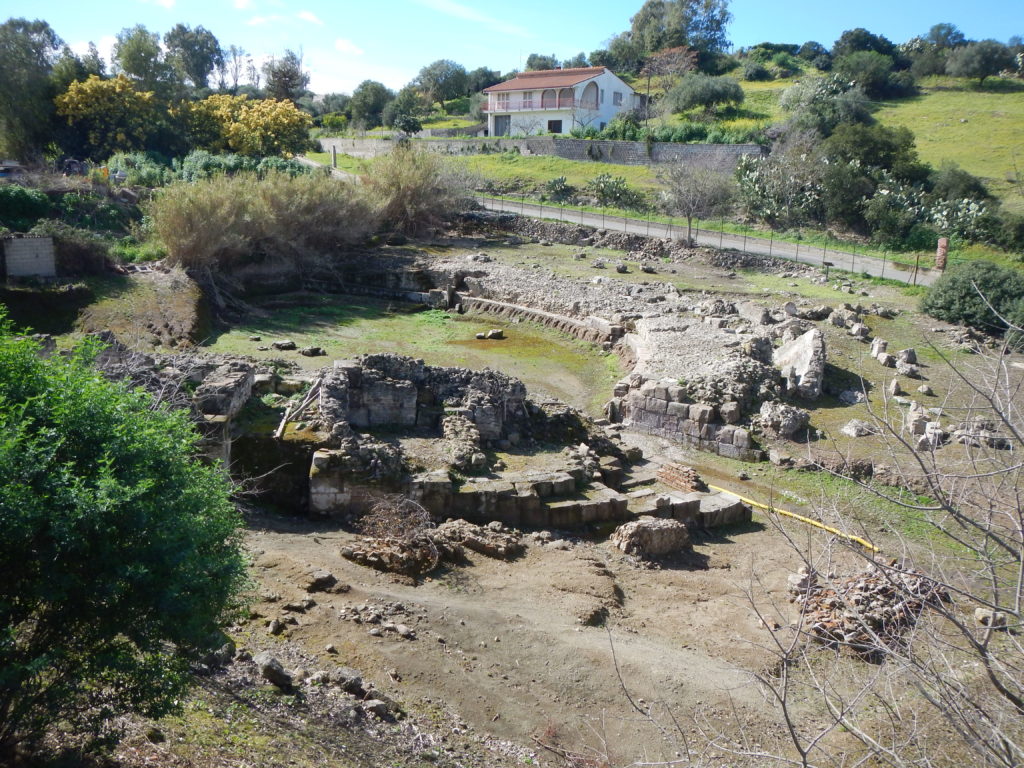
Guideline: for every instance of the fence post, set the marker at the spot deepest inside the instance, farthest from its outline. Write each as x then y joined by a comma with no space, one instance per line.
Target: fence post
884,255
721,233
771,242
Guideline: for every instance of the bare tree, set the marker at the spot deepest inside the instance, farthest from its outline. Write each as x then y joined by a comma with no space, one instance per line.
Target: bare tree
695,193
672,63
949,688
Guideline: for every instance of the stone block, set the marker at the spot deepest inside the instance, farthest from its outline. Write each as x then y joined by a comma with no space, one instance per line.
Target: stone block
656,405
741,438
679,410
565,514
676,394
730,412
702,413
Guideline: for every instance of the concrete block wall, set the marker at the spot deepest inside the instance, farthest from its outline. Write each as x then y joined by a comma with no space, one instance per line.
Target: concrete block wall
29,257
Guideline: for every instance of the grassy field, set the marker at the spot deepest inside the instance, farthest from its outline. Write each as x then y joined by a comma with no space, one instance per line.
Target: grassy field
449,122
347,326
515,172
980,129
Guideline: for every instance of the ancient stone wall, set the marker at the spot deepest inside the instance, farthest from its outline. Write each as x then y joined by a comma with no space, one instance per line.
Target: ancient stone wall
658,408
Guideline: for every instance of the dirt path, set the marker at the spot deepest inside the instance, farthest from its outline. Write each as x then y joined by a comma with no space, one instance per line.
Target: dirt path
503,644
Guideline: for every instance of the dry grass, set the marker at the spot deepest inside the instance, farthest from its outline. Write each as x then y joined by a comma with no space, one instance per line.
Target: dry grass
223,221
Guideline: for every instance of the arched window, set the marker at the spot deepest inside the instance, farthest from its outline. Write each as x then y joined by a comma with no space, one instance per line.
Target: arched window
589,98
565,97
548,100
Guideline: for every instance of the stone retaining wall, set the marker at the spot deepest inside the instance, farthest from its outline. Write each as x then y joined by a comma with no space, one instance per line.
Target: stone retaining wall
595,330
721,157
657,408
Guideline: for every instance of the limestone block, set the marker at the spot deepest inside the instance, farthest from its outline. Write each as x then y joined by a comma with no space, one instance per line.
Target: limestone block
730,412
741,438
878,346
802,362
679,410
702,412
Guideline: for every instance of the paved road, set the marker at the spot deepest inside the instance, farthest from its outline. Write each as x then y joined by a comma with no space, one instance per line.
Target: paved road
805,254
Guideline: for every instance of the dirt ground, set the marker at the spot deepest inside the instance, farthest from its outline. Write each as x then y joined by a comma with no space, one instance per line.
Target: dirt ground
506,646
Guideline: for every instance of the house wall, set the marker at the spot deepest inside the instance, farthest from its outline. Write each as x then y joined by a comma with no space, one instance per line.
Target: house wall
536,122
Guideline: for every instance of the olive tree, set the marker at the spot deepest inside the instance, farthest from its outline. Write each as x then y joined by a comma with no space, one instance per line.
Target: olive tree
121,555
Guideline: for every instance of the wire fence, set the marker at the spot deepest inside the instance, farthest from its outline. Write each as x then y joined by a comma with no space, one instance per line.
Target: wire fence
821,256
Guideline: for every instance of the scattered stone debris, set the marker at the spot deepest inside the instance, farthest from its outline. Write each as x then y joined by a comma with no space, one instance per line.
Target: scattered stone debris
859,428
651,537
285,345
781,419
869,613
422,553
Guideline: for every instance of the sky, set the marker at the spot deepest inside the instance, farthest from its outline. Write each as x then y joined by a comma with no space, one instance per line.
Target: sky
345,42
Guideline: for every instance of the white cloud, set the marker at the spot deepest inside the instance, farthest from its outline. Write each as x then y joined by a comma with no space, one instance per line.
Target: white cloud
330,74
105,47
311,17
347,47
460,11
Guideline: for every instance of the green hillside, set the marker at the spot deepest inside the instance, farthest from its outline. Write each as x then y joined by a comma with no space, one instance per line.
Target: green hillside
982,130
953,120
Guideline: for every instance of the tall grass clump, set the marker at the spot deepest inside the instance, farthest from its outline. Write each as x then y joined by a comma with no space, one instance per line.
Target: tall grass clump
225,221
415,190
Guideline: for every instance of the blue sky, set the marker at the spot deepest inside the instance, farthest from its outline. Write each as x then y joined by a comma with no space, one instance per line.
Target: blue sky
346,42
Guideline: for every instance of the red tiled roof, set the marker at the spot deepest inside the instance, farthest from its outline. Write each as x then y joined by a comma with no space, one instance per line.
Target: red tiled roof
546,78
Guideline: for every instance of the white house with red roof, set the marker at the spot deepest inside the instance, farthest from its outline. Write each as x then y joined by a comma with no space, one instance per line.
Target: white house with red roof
556,101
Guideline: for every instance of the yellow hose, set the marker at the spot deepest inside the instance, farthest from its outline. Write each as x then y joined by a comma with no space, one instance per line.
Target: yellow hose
856,539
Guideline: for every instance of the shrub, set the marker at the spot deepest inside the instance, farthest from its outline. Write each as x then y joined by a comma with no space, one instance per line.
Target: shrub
416,190
956,297
704,91
228,220
141,169
558,190
613,191
21,207
755,70
121,555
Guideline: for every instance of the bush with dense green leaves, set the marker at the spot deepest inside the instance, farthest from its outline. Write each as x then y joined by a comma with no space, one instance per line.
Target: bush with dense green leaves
121,554
957,296
21,207
613,191
703,91
558,190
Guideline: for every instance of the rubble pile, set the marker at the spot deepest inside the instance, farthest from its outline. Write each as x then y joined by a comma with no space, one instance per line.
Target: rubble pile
651,537
868,613
421,553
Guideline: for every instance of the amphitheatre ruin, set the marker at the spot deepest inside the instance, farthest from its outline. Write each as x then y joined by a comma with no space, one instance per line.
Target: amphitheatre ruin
571,535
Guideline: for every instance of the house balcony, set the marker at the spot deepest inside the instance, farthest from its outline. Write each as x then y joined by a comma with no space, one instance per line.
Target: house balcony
536,105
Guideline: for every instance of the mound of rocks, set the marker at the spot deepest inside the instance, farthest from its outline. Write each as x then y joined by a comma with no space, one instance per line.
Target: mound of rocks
651,537
869,613
782,420
423,552
492,540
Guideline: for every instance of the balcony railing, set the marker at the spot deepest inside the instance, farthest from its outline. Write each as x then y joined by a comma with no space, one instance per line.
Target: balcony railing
533,105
